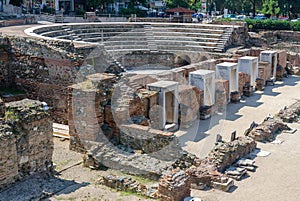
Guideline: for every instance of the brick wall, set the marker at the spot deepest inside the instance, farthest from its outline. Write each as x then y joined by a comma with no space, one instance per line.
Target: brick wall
243,79
174,186
89,108
8,159
190,99
264,70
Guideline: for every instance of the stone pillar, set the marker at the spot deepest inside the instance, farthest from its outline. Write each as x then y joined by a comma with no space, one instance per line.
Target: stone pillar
229,71
164,87
249,65
204,80
271,57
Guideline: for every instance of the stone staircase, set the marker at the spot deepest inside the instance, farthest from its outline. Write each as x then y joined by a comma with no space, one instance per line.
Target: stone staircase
221,47
150,38
123,38
71,33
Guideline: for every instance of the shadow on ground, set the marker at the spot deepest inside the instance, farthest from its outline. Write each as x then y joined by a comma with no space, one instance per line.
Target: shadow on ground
39,187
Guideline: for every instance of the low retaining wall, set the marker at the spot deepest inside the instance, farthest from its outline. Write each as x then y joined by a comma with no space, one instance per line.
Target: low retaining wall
22,21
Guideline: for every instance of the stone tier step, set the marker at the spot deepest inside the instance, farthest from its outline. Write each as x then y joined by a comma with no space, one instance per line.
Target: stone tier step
192,34
186,29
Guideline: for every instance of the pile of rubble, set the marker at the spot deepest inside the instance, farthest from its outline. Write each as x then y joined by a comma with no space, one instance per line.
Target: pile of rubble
267,130
240,168
291,113
185,161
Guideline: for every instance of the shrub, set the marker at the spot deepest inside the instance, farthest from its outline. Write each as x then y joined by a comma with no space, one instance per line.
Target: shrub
295,26
223,19
273,24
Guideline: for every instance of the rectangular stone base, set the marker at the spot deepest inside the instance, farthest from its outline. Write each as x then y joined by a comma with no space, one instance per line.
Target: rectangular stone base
223,186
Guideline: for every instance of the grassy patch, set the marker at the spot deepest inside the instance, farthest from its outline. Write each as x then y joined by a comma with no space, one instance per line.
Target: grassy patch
142,180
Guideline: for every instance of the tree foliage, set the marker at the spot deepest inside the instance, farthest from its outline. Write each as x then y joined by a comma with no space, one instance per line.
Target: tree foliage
270,7
178,3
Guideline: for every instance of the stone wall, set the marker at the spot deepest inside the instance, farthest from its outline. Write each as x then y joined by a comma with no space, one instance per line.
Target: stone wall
243,79
264,70
255,52
282,34
27,143
149,99
14,22
144,60
293,58
221,94
226,153
144,138
128,184
4,62
43,69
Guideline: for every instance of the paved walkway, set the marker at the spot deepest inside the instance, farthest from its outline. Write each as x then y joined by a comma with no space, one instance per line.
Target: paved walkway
277,177
200,138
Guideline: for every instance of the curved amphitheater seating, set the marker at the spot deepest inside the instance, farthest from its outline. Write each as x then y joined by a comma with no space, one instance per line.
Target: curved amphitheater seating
121,38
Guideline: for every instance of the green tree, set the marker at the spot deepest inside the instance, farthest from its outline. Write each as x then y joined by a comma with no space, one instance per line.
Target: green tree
133,9
178,3
270,7
97,3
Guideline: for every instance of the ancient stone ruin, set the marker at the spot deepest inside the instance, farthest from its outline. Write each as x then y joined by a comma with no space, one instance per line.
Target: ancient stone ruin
124,101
